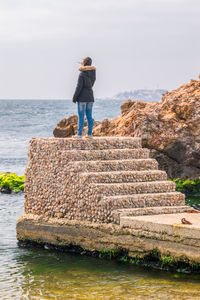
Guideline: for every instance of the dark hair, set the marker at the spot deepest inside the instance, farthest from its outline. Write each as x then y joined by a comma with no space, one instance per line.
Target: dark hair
87,61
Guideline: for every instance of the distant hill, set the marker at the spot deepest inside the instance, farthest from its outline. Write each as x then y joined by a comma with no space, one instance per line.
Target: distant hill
143,95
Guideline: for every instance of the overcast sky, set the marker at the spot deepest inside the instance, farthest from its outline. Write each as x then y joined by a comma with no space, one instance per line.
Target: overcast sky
133,43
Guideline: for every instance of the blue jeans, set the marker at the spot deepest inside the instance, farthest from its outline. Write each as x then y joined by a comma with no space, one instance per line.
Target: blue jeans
85,108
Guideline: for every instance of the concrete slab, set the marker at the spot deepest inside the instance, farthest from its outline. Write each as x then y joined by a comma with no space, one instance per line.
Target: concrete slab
169,224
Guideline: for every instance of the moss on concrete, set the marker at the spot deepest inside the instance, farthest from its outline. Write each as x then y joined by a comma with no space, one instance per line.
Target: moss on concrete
153,260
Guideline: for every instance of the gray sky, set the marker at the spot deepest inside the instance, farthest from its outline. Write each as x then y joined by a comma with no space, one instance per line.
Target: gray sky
134,44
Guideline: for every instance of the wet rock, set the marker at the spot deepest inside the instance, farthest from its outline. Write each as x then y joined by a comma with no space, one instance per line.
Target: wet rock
5,190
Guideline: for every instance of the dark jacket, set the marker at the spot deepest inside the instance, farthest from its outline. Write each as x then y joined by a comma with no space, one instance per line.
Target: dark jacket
86,79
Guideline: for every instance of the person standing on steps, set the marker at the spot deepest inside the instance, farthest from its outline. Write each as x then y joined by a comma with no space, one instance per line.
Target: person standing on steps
84,97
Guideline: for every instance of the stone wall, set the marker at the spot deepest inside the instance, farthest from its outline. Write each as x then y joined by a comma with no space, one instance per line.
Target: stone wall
91,180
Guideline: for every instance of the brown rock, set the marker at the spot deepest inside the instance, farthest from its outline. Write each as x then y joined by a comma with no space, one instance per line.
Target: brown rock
125,106
68,127
170,128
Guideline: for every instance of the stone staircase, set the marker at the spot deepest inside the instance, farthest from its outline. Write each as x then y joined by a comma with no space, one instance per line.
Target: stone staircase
99,179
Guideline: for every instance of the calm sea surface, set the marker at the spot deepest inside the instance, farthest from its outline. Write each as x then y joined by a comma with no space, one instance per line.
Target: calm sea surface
34,273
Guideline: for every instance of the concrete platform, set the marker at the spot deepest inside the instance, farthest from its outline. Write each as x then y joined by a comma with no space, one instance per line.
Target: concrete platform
152,233
166,227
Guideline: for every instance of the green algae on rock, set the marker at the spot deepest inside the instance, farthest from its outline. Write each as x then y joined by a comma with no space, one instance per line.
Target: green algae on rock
191,189
11,182
188,186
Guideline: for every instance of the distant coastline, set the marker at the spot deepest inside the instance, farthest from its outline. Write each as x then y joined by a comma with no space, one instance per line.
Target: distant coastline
146,95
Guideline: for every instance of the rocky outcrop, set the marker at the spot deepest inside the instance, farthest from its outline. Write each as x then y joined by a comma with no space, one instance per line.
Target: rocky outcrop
170,128
67,127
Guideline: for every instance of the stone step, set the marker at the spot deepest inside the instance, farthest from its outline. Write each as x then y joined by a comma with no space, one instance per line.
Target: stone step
144,200
77,155
106,189
142,211
123,176
114,165
96,143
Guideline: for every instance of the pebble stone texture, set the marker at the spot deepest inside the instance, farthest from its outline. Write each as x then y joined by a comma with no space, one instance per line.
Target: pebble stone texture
95,179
